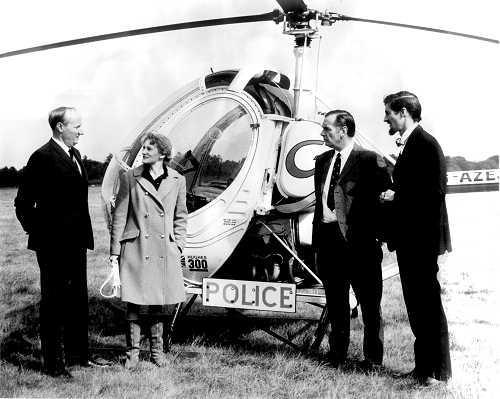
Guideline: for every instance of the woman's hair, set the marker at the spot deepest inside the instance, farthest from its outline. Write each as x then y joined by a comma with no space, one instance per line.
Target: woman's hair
162,143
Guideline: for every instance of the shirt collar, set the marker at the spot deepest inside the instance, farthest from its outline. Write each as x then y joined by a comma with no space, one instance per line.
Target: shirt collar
147,175
407,133
346,151
62,145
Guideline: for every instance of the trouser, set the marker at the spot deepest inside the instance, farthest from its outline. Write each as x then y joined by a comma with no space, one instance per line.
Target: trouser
422,294
64,308
340,266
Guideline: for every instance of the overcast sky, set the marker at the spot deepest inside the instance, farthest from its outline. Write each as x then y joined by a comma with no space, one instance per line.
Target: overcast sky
116,83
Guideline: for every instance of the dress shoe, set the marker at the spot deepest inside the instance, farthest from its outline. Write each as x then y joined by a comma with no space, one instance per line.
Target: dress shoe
89,363
61,373
368,367
412,374
97,363
333,362
431,383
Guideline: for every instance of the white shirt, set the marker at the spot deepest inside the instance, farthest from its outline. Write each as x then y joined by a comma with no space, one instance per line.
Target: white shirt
330,215
405,136
66,149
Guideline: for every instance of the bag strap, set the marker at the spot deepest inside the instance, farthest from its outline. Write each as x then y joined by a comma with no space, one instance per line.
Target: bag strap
115,288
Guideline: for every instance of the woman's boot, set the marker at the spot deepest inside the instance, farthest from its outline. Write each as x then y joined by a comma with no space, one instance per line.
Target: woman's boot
156,343
133,338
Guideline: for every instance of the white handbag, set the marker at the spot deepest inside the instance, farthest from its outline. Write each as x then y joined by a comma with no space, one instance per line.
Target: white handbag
114,278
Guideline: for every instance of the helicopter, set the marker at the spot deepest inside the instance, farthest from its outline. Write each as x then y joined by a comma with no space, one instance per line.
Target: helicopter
245,140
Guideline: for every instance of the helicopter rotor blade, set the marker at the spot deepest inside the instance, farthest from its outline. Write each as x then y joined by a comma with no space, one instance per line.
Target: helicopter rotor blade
340,17
295,6
270,16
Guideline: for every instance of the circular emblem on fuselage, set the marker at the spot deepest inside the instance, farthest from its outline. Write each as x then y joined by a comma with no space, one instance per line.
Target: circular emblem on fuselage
291,164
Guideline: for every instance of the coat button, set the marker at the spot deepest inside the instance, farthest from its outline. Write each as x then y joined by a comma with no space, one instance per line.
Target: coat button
146,236
162,214
162,236
147,257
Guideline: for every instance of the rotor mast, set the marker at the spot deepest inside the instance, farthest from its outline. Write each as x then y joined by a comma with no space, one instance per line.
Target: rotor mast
299,26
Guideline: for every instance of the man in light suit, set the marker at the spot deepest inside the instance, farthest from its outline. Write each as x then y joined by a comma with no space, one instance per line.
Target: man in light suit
52,207
348,180
420,233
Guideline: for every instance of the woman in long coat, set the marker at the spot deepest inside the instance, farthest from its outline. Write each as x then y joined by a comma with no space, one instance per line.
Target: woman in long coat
147,238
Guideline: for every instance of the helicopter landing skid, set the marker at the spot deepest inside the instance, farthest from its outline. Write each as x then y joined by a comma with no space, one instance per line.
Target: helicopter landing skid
308,349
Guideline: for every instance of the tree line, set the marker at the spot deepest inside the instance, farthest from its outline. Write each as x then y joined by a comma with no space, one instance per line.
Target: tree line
11,177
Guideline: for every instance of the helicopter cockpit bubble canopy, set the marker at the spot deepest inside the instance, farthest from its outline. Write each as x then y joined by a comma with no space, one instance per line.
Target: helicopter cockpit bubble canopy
224,128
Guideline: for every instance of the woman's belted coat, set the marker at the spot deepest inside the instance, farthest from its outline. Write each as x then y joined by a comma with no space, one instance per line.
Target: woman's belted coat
149,234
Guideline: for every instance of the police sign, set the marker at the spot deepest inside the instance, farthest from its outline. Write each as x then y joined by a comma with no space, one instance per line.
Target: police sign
254,295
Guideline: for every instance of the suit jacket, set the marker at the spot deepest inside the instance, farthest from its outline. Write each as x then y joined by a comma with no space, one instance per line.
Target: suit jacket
149,233
357,192
52,201
419,209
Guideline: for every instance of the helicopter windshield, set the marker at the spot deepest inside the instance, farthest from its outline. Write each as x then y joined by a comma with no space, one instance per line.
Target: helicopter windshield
211,143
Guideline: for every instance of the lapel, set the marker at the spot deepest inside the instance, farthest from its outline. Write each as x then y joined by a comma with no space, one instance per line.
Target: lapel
80,162
144,183
407,154
65,157
328,161
165,187
412,141
353,158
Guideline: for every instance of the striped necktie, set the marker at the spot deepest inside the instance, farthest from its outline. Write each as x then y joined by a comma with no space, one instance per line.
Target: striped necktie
73,158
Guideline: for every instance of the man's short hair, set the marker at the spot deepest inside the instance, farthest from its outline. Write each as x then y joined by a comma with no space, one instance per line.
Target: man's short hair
405,99
344,118
59,115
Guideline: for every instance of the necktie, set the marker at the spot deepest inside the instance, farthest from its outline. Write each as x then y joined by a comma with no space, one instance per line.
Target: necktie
330,201
73,158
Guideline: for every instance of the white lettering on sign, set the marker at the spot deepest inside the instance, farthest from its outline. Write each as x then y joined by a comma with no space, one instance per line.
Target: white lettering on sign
473,177
256,295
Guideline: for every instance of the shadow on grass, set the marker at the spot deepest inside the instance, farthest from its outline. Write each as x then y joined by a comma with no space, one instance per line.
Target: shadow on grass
220,328
20,346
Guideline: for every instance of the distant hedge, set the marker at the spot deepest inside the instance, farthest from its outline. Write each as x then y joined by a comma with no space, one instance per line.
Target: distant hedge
11,177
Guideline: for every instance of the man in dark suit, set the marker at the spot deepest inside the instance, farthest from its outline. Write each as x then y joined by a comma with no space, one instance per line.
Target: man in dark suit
420,234
52,206
348,180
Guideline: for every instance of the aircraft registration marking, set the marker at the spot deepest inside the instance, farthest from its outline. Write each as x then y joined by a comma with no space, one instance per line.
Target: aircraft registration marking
473,177
255,295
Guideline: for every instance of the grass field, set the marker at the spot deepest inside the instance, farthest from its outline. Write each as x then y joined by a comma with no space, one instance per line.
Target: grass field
212,358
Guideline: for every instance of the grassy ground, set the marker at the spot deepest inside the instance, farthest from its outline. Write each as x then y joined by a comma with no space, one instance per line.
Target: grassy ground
213,358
